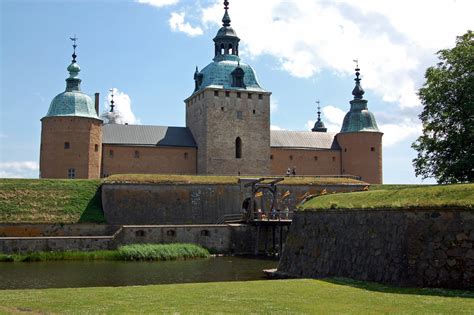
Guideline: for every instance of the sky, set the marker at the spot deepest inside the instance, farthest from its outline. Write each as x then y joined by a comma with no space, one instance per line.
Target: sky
301,50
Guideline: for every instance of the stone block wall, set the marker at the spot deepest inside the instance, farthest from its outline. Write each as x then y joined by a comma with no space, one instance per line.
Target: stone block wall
192,204
423,248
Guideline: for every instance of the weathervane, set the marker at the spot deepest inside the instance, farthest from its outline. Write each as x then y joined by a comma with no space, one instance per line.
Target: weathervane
112,100
74,45
356,62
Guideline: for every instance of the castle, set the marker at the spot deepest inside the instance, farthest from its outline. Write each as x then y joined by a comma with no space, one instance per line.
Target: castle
227,131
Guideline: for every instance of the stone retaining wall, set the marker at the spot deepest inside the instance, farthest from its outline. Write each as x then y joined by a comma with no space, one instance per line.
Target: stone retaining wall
35,230
192,204
424,248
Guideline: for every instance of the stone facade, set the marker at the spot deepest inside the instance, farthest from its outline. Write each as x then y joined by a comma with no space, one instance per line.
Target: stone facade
305,162
361,155
119,159
424,248
193,204
217,118
70,143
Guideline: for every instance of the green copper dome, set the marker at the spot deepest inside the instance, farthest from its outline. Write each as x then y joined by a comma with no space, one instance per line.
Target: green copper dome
219,74
359,119
72,102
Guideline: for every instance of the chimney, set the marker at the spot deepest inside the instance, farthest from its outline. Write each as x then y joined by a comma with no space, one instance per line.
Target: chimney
97,103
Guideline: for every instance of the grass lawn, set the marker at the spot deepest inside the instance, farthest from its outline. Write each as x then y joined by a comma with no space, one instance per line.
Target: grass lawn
202,179
275,296
50,201
398,196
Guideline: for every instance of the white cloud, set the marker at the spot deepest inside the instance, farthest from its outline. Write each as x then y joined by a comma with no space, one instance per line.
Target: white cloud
19,169
177,23
123,109
332,118
158,3
275,127
394,133
393,45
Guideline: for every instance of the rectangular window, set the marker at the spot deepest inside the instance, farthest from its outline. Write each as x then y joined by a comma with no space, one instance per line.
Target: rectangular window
260,96
66,145
239,114
315,158
271,157
216,93
372,149
137,154
71,173
111,153
253,111
249,96
227,93
291,157
185,155
334,159
96,148
238,94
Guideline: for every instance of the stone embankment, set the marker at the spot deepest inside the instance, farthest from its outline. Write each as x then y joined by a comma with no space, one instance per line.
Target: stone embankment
424,248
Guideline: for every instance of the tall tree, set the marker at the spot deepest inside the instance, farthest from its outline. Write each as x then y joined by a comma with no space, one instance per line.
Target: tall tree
446,148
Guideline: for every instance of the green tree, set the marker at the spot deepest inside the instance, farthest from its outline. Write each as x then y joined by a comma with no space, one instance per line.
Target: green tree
446,148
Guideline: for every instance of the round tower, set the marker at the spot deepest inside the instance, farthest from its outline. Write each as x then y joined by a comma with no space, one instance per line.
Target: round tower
361,140
71,132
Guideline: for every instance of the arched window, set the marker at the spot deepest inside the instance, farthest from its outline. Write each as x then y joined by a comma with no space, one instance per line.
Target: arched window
238,148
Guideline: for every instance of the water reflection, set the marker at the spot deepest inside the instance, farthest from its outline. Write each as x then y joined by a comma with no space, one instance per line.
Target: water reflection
73,274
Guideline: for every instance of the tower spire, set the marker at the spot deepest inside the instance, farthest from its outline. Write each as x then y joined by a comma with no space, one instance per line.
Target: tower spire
319,125
74,45
358,91
226,19
112,100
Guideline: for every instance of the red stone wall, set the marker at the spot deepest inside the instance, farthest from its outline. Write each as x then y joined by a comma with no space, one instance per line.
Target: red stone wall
84,136
306,161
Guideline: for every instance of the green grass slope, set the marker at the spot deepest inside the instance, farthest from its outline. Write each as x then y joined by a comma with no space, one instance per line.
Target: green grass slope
50,201
252,297
398,196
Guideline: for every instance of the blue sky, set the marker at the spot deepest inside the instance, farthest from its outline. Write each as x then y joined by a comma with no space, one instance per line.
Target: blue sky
301,50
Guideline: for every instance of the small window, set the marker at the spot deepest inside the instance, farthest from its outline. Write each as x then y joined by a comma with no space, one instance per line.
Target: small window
185,155
333,158
205,233
111,153
372,149
239,114
238,94
222,108
96,148
260,96
227,93
249,96
271,157
137,155
345,149
253,111
171,233
140,233
66,145
291,157
216,93
238,148
71,173
315,158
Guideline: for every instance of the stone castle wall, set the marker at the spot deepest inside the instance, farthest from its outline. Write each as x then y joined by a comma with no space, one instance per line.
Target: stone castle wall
119,159
193,204
361,155
216,121
83,152
306,161
424,248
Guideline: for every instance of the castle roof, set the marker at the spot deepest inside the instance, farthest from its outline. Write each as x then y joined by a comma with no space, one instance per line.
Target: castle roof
142,135
303,140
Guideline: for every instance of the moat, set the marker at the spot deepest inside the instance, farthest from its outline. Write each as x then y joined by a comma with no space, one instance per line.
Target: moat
75,274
